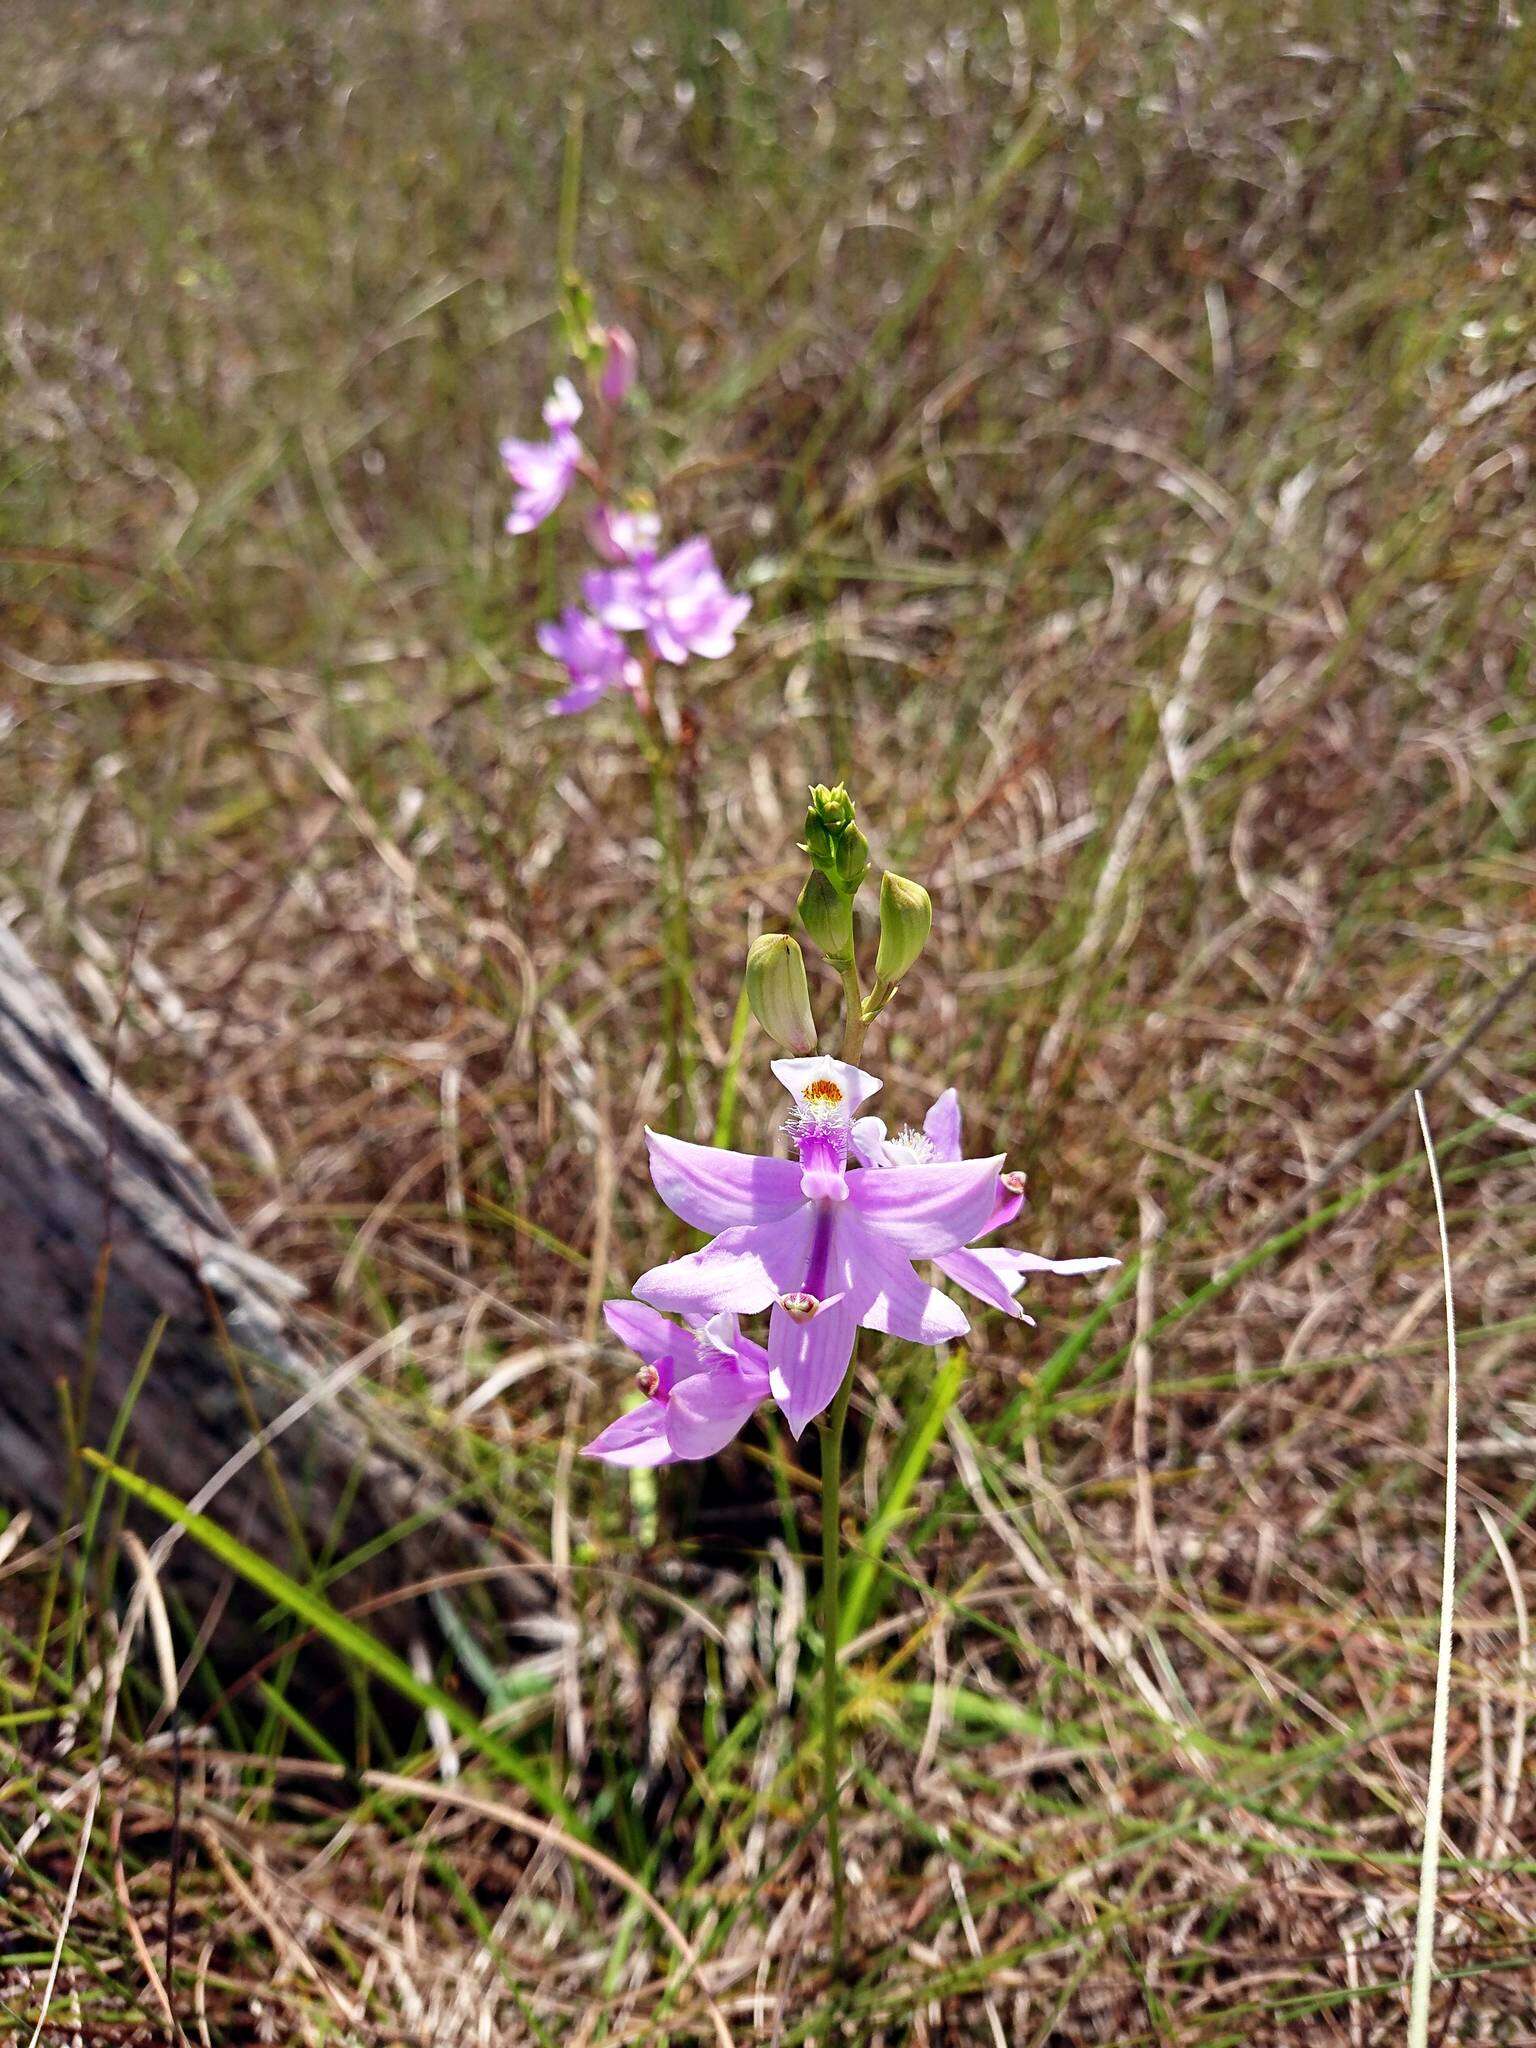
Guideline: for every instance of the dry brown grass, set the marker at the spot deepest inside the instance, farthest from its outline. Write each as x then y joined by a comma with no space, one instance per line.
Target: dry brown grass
1161,578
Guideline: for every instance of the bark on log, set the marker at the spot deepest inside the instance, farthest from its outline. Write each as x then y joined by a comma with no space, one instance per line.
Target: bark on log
107,1225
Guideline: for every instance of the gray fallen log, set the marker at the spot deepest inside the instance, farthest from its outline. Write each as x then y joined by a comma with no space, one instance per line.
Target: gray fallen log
107,1226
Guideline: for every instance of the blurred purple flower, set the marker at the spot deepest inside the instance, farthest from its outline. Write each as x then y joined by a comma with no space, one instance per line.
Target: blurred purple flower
621,535
678,600
596,659
542,470
823,1248
993,1273
701,1385
617,378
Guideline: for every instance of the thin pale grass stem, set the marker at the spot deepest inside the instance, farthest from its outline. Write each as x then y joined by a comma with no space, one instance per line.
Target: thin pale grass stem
1429,1866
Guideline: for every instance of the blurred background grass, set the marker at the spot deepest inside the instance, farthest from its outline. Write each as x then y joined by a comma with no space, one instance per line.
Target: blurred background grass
1122,419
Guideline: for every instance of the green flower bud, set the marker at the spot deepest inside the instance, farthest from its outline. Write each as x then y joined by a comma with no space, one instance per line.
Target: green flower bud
777,992
834,842
827,917
906,918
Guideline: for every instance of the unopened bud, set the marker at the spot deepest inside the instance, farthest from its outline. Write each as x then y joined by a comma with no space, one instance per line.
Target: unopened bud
834,842
620,362
777,992
906,918
827,917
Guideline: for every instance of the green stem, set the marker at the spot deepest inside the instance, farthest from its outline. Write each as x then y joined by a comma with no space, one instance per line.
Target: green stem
676,940
854,1025
832,1546
831,1629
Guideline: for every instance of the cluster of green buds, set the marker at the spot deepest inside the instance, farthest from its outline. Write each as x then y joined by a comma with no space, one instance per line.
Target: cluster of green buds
777,990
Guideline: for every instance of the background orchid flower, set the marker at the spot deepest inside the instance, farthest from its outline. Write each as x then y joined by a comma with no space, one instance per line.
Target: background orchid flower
621,363
542,470
701,1386
620,533
993,1273
594,656
678,600
824,1249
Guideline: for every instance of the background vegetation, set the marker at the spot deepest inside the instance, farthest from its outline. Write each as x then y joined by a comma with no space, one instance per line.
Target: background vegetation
1122,418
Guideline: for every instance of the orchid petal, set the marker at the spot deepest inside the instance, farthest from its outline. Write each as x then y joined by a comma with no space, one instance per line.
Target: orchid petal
1009,1202
745,1270
807,1361
867,1140
925,1210
820,1072
707,1411
890,1297
941,1126
718,1190
640,1329
638,1437
1031,1262
580,698
988,1274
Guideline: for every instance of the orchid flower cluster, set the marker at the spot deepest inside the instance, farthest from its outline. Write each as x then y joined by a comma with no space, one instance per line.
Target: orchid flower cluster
676,599
829,1240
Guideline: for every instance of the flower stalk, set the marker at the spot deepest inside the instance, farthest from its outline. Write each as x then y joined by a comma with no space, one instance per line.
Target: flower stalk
854,1026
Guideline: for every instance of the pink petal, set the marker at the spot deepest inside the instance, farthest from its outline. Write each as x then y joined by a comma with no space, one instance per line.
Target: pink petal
1008,1206
807,1361
638,1327
890,1297
942,1127
744,1270
1031,1262
716,1190
925,1210
636,1438
800,1076
708,1410
989,1275
581,697
867,1140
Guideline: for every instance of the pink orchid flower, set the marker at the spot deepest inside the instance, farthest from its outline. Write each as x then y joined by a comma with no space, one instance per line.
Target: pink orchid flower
620,533
595,658
701,1386
825,1249
993,1273
678,600
542,470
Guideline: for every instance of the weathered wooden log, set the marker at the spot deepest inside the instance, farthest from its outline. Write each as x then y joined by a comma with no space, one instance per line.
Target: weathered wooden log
110,1232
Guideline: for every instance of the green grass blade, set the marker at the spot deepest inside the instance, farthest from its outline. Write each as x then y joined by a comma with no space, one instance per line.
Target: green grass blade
352,1643
909,1470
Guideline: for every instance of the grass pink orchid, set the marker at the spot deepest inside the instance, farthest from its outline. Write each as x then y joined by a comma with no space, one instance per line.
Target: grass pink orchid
542,470
595,658
678,600
824,1248
701,1385
993,1273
